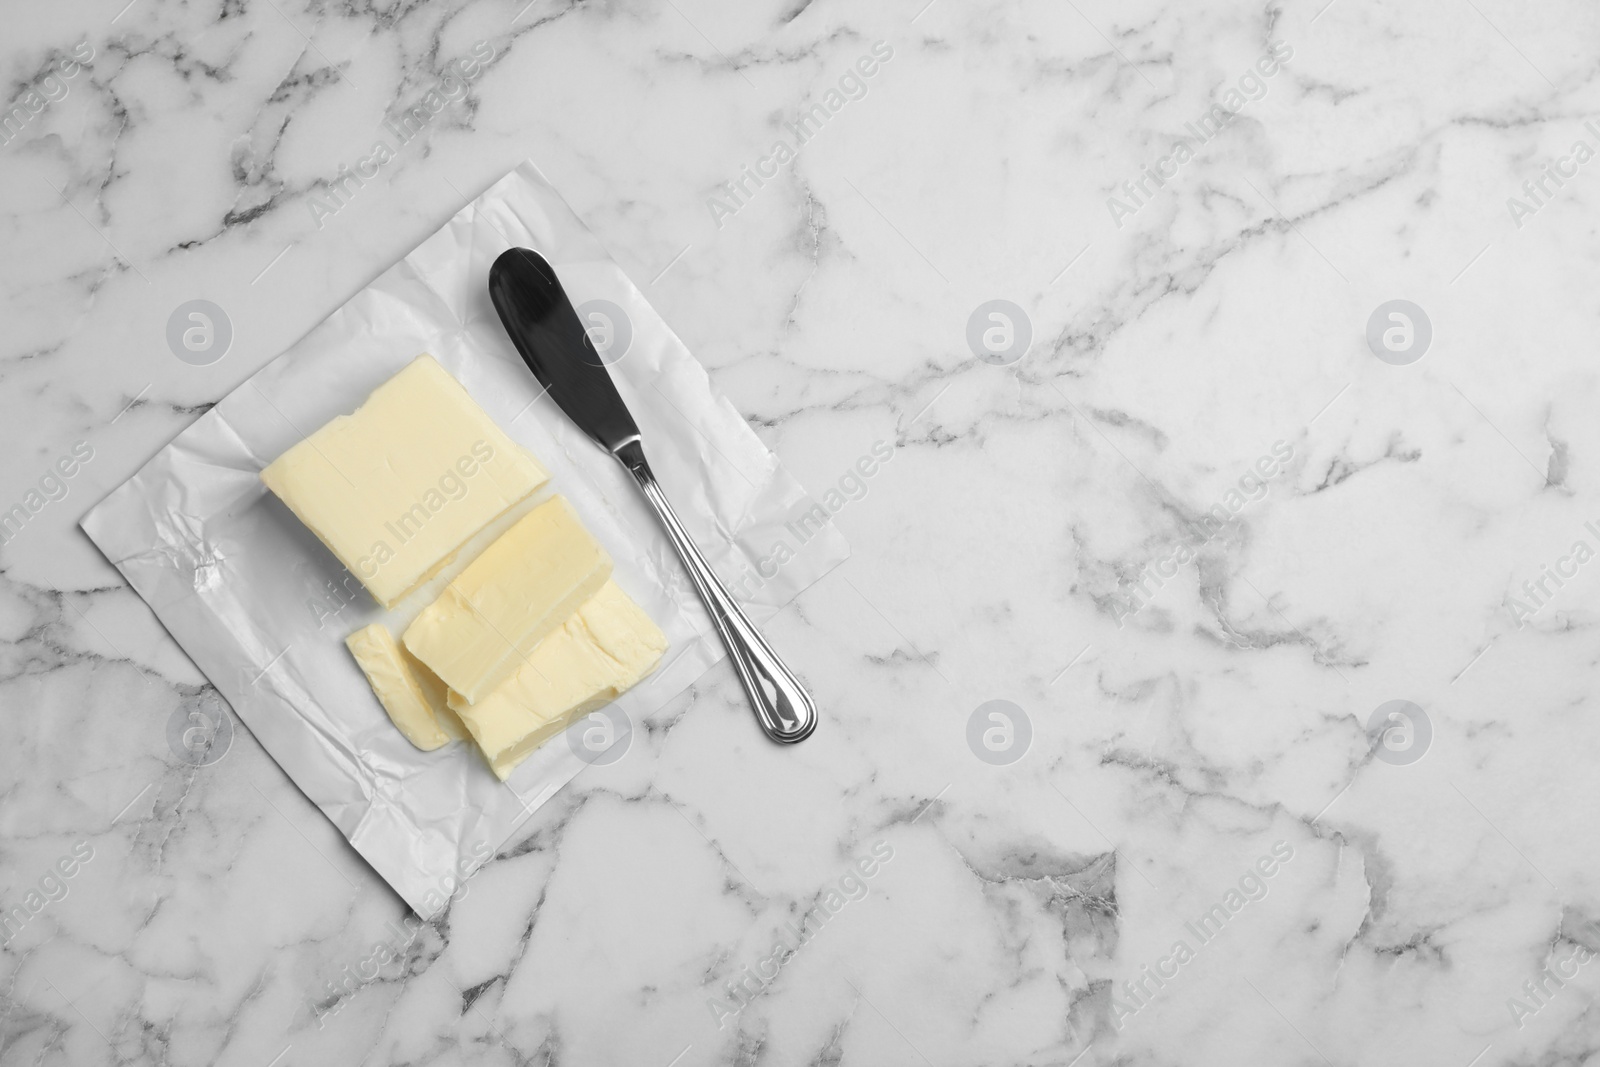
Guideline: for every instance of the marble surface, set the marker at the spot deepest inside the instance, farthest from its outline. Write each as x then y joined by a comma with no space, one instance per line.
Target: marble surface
1201,851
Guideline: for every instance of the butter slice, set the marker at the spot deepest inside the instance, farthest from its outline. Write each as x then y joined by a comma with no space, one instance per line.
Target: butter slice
395,489
415,699
492,615
597,655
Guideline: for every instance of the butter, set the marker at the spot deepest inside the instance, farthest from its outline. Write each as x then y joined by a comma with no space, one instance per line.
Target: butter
598,654
492,615
396,488
414,698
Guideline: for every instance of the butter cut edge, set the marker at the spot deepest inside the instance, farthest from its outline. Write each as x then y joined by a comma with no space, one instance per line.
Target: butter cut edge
413,697
604,649
486,623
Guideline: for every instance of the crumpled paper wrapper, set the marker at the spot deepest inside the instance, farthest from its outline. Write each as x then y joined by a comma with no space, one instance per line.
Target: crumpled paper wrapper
263,608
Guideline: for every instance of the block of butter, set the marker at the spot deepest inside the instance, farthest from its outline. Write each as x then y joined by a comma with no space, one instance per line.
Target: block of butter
395,489
492,615
414,698
598,654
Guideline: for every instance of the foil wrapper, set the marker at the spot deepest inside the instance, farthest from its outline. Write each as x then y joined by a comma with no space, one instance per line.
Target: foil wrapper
262,607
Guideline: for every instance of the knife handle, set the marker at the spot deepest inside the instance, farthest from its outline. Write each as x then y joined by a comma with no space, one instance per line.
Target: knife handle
784,709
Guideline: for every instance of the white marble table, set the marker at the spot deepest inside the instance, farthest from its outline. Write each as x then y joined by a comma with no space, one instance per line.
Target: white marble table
1201,856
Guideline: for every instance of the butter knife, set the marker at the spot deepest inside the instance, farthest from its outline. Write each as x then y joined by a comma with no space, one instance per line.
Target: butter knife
554,344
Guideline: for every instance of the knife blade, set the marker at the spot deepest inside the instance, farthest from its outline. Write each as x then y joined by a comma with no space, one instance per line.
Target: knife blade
555,345
547,333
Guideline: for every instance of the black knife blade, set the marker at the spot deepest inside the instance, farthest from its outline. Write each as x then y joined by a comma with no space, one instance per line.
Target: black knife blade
556,347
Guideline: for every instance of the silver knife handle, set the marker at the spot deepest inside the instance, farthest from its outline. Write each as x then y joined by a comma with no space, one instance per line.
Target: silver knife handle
784,709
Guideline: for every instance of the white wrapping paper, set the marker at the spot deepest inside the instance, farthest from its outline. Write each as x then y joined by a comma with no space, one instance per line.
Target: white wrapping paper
263,608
